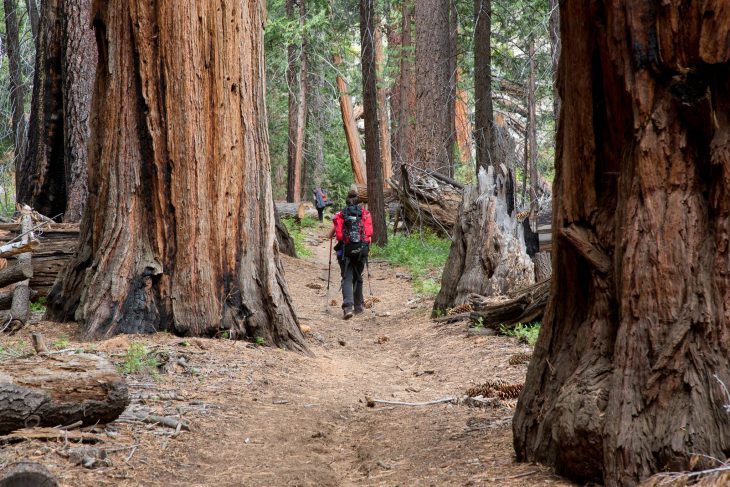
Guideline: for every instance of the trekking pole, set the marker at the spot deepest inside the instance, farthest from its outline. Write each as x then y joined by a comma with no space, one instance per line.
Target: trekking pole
329,273
370,287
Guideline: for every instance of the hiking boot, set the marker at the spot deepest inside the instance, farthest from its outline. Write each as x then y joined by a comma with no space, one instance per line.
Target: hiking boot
359,308
348,313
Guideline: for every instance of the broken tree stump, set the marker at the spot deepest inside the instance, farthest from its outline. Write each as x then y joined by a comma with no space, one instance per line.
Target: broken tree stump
26,474
57,390
488,255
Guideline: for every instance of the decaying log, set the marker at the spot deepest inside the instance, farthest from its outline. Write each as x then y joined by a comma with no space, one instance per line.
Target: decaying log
54,390
522,306
14,248
58,242
6,298
296,210
19,312
26,474
428,199
15,273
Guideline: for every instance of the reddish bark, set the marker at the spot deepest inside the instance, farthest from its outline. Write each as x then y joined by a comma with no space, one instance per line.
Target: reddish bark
624,380
179,230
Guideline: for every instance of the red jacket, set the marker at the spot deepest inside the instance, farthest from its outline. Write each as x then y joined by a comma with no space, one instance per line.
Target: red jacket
367,222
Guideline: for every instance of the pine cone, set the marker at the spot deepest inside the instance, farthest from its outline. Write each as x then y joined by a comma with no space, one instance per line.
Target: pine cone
510,391
462,308
520,358
488,389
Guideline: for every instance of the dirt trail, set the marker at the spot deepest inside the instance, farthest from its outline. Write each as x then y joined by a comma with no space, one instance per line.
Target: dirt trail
263,417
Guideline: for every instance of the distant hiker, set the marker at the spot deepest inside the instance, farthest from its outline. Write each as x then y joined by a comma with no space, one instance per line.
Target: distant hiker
353,228
321,202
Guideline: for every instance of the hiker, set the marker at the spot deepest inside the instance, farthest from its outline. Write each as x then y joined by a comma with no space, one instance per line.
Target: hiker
321,202
353,228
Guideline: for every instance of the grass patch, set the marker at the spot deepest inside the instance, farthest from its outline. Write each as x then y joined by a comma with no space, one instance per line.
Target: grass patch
423,254
39,305
295,230
525,332
138,360
61,343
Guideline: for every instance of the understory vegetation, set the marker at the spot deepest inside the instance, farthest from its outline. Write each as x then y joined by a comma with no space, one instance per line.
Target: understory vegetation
423,254
524,332
294,227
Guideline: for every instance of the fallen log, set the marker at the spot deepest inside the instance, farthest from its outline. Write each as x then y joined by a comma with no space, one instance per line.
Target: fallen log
14,248
26,474
15,273
521,306
59,389
296,210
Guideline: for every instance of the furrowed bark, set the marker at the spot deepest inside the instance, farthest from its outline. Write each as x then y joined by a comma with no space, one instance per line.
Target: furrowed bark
625,380
179,229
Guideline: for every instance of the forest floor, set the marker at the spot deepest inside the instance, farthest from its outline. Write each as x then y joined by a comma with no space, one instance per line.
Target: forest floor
263,417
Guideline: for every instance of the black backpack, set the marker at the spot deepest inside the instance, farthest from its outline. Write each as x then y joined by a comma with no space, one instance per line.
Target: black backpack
353,231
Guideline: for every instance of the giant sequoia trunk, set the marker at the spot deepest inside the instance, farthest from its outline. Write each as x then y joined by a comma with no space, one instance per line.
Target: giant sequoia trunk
53,176
625,378
179,230
433,123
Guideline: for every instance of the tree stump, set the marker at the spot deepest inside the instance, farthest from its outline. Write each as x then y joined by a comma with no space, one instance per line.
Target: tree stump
26,474
286,242
488,255
59,390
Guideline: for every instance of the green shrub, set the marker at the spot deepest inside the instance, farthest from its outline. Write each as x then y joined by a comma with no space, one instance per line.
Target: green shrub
39,305
423,254
138,360
295,230
527,332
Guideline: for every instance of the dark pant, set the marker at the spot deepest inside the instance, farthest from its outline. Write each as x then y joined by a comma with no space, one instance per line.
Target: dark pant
351,271
320,212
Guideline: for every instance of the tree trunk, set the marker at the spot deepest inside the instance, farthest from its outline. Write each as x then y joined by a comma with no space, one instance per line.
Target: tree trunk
382,99
78,73
297,81
376,201
179,231
483,109
433,124
626,376
60,390
17,88
40,181
488,255
33,16
532,137
395,48
53,179
554,26
462,122
348,122
453,86
407,112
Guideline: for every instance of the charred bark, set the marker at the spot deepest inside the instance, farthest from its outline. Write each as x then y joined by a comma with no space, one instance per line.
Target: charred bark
483,109
625,377
179,232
